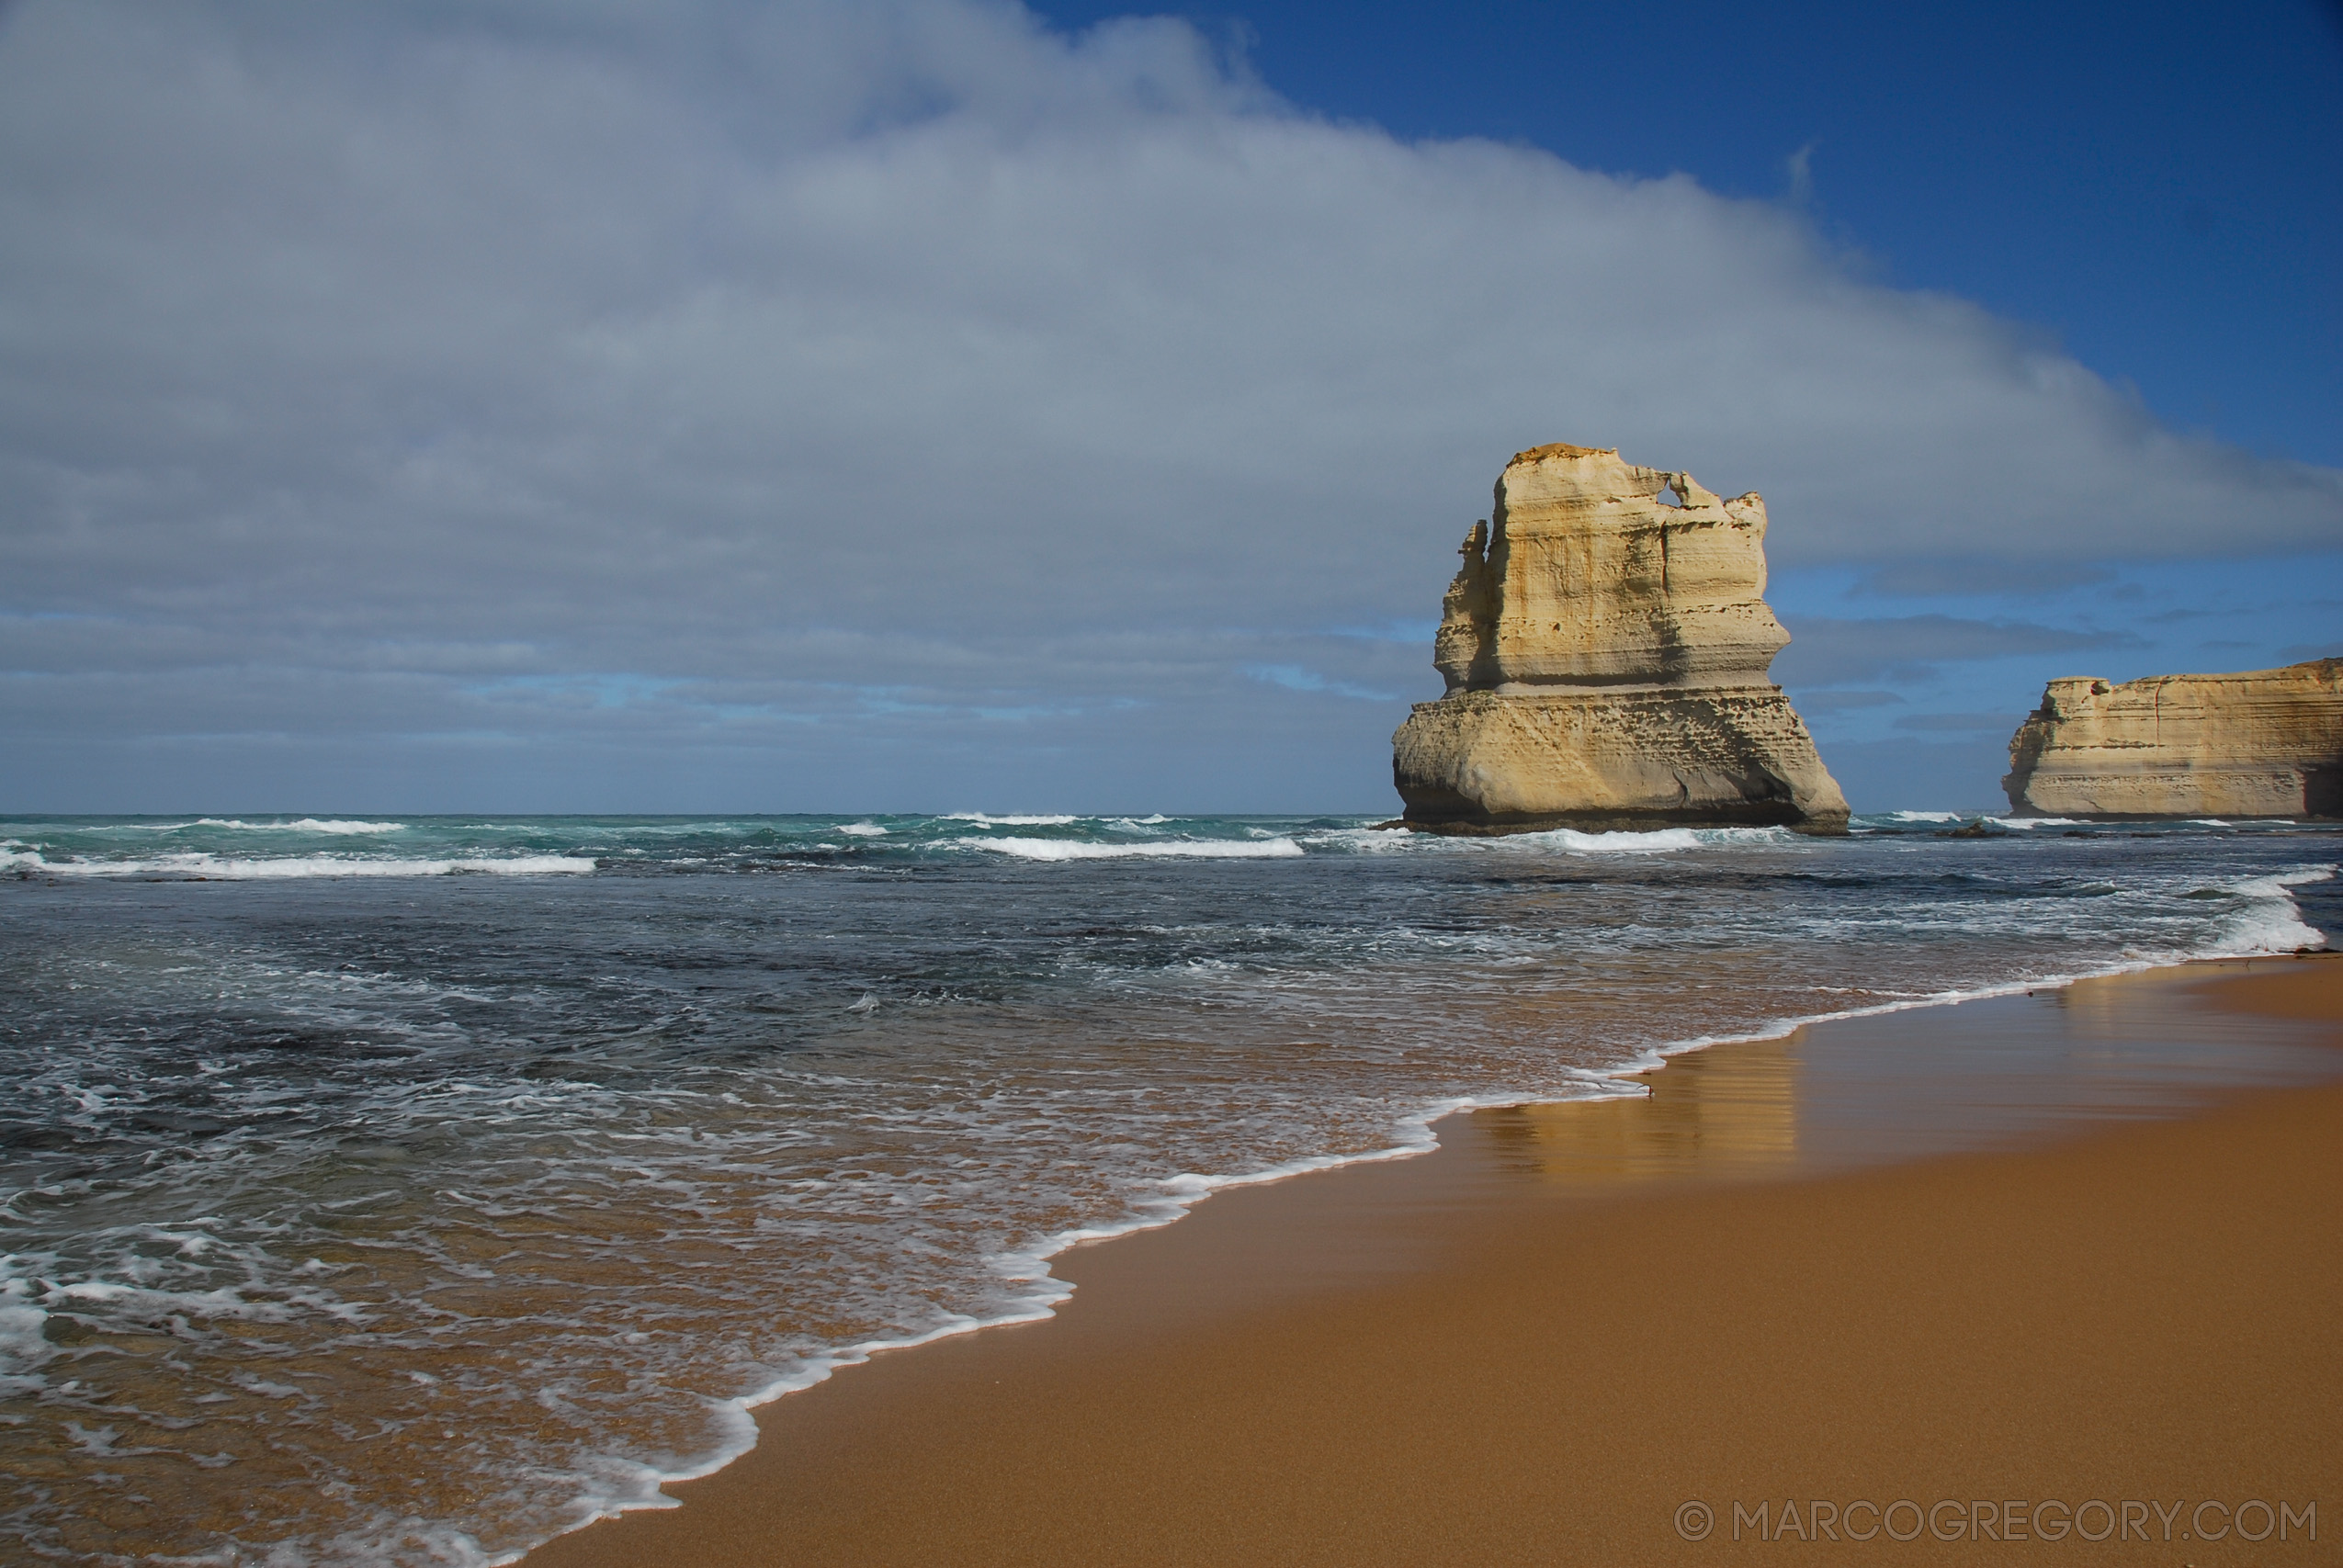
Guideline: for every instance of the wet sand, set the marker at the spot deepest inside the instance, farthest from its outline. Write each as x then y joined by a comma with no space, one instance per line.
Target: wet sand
2086,1245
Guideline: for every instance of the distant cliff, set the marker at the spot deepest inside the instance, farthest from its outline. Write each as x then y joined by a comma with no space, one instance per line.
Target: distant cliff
1606,647
2259,744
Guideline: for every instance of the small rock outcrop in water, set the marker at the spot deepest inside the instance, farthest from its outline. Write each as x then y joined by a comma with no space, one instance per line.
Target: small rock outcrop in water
2259,744
1606,647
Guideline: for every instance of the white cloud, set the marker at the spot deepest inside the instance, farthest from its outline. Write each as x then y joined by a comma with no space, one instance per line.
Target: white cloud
911,343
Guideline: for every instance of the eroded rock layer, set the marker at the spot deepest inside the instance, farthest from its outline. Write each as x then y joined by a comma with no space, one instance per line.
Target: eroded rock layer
2258,743
1606,647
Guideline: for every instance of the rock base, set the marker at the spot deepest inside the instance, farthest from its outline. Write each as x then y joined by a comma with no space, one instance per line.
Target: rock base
1602,760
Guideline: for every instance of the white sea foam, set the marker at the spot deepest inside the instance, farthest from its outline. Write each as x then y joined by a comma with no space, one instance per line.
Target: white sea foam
983,820
2272,924
863,831
305,824
231,869
1663,841
1924,815
1658,841
1064,849
1173,1199
2272,921
2026,823
1569,841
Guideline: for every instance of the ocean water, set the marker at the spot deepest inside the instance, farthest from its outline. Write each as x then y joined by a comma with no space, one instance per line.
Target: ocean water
408,1191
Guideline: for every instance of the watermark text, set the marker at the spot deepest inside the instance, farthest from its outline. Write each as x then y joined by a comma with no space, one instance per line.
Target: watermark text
1998,1520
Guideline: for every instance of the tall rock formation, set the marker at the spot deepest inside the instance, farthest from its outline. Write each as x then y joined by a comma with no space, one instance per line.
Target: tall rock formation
1605,647
2259,744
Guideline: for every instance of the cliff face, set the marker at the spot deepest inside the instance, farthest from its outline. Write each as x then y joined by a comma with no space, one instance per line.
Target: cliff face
2260,744
1606,647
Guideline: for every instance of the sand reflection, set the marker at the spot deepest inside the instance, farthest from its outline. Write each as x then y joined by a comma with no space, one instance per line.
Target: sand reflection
1710,1114
1936,1080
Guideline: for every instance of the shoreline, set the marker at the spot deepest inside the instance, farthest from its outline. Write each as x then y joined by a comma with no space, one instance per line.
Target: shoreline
587,1543
1182,1195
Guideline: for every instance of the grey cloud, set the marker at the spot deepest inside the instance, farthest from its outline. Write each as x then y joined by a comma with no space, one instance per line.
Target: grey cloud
1980,578
1909,772
1825,651
876,345
1829,701
1960,723
1298,678
2282,574
772,686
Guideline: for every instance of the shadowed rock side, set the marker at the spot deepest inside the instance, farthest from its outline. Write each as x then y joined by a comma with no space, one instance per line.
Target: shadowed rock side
1606,647
2257,743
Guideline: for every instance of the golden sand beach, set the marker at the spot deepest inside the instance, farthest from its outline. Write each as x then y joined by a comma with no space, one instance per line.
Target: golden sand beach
1612,1331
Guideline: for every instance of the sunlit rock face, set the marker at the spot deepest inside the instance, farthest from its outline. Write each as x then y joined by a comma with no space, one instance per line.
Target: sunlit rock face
1606,647
2258,743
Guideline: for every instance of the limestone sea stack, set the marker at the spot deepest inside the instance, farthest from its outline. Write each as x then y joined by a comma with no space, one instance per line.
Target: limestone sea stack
1606,647
2258,743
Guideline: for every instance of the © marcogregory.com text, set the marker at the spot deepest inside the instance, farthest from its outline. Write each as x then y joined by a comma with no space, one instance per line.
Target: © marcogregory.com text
2000,1519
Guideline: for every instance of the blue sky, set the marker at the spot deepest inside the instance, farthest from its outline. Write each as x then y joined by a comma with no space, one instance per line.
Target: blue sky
920,404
